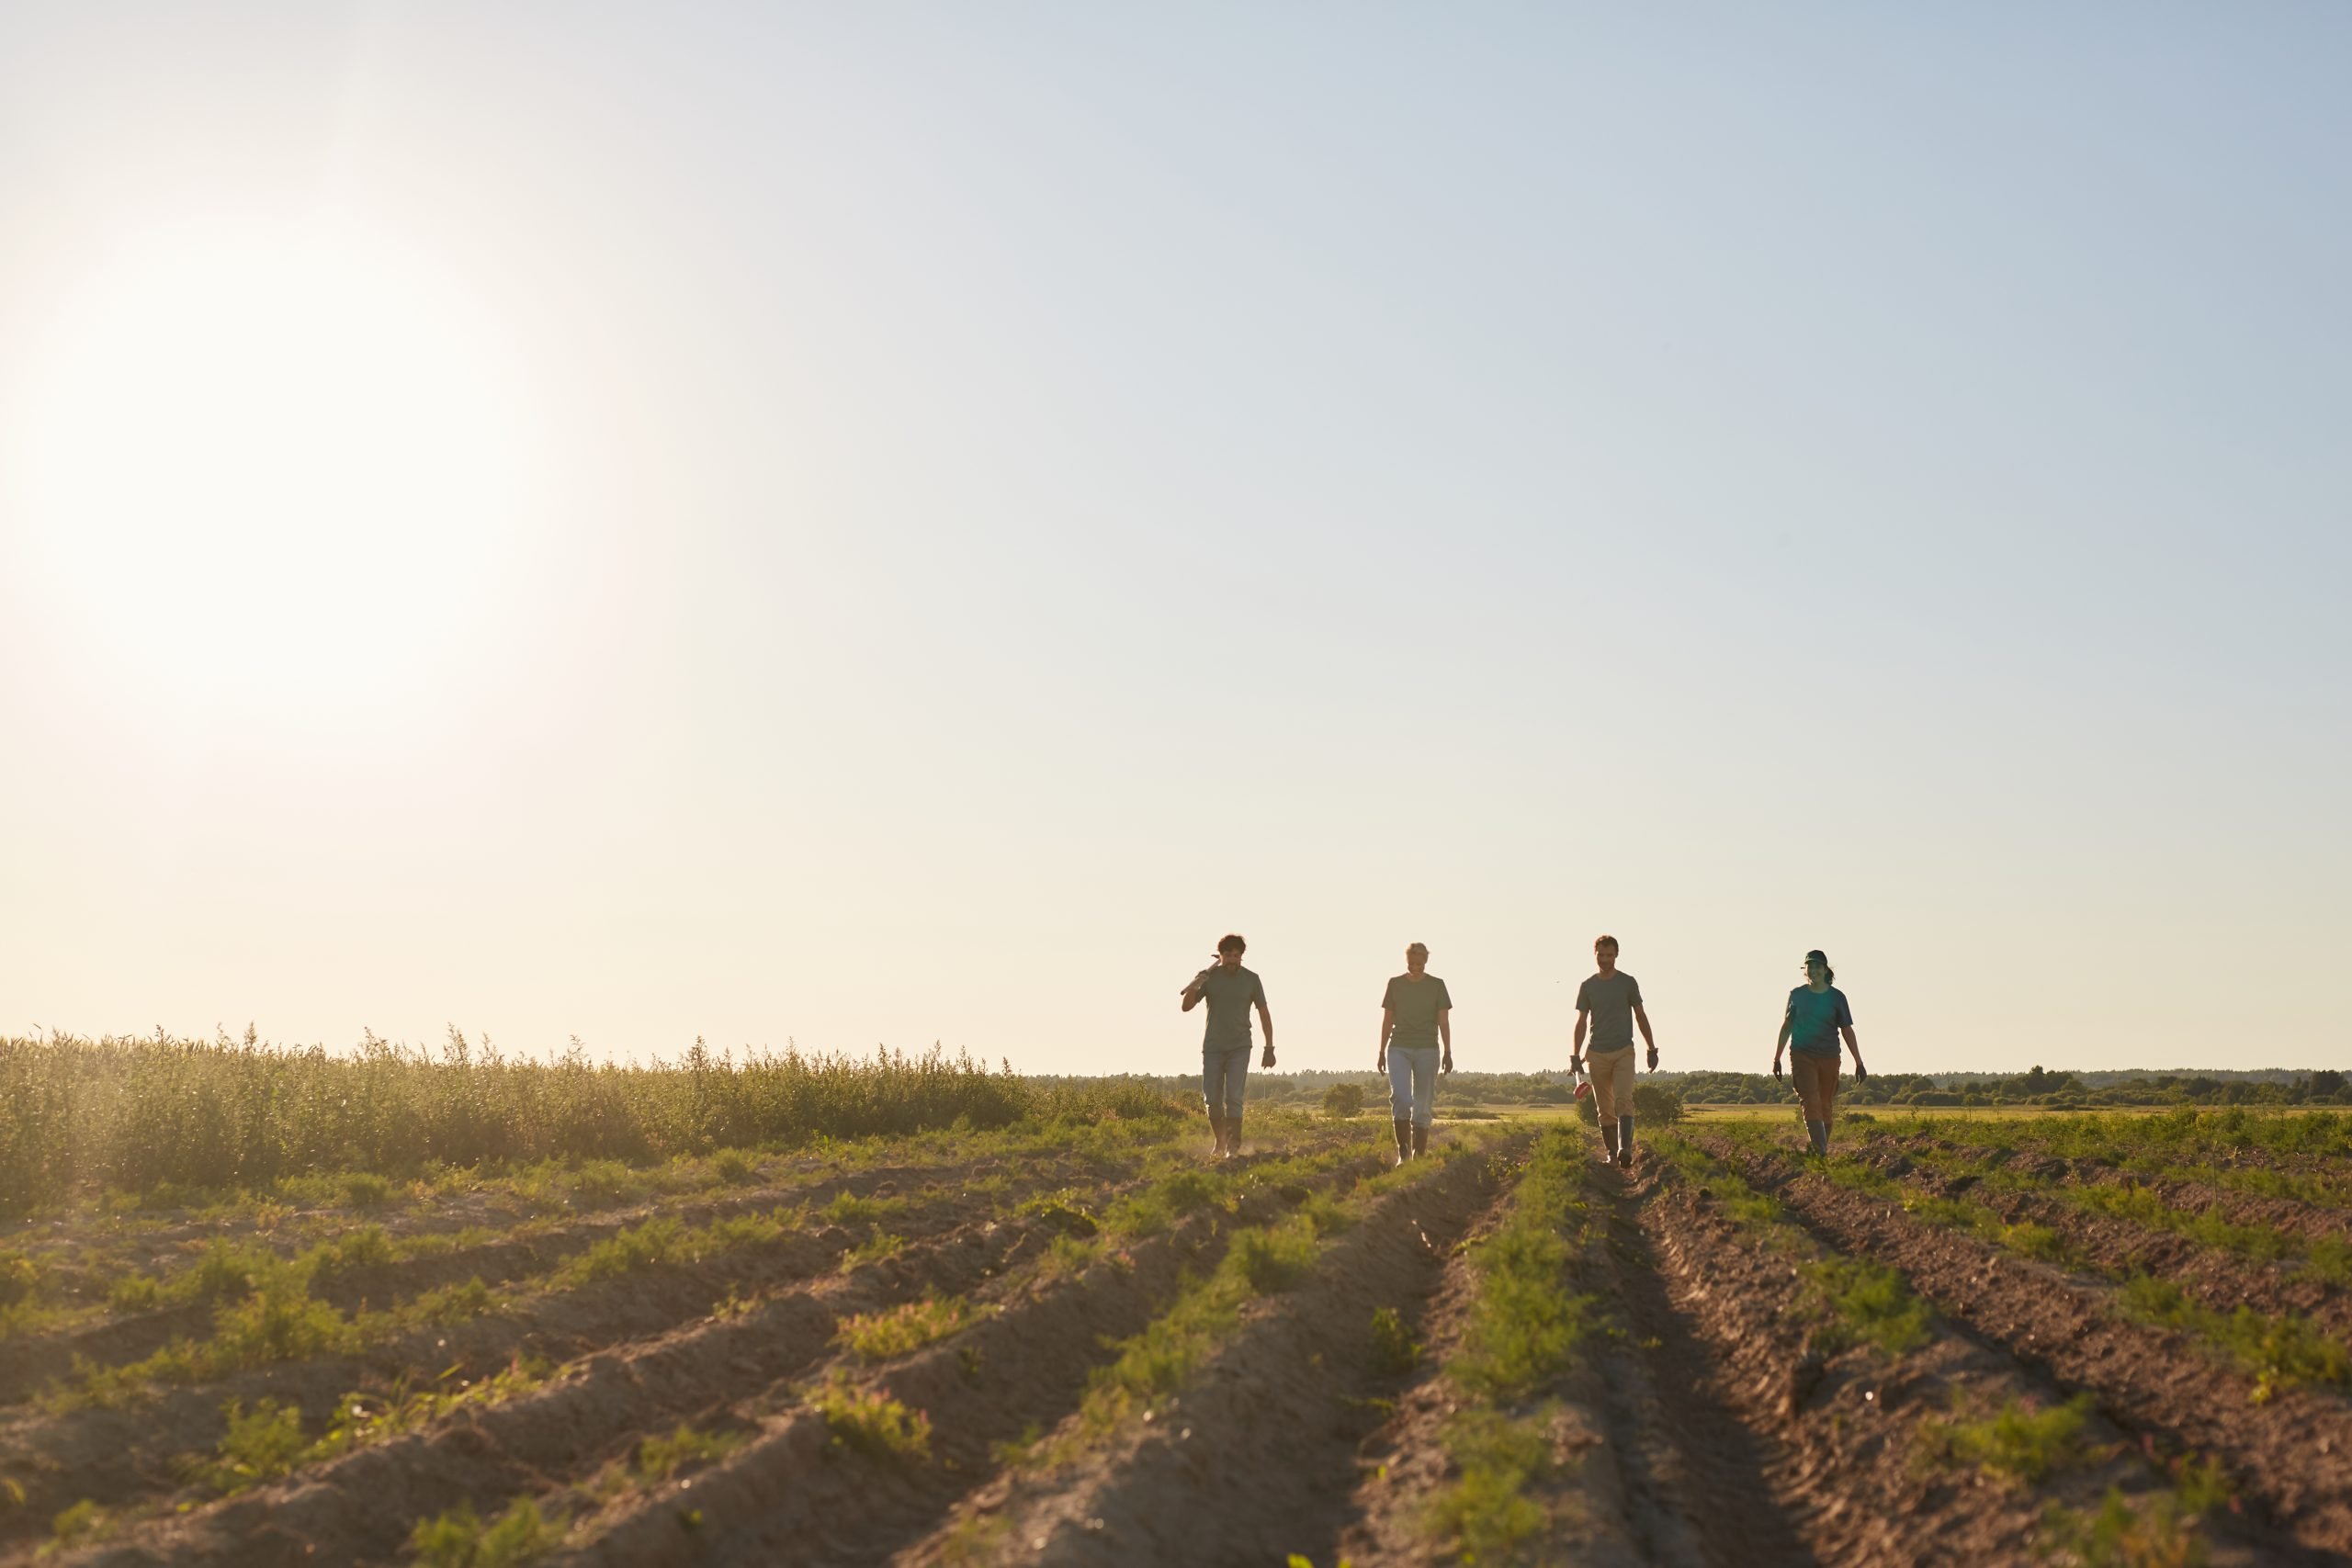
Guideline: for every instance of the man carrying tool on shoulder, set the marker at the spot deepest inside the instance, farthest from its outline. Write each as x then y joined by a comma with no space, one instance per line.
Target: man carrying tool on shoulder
1231,991
1610,1004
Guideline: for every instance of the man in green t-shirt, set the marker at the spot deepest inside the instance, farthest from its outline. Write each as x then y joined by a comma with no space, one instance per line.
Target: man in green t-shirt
1415,1025
1610,1002
1230,991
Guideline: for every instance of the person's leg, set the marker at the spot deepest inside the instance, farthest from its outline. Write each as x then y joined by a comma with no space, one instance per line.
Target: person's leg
1807,1071
1424,1096
1236,1084
1602,1072
1827,1093
1621,1074
1213,1095
1400,1101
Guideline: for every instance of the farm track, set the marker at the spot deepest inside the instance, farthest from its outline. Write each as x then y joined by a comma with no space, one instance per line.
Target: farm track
1270,1429
2290,1458
649,1372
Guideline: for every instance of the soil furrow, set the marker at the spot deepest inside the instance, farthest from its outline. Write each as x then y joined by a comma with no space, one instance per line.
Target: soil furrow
2290,1457
793,1494
1269,1429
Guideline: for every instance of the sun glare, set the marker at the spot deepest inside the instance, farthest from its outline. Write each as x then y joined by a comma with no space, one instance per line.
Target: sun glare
280,470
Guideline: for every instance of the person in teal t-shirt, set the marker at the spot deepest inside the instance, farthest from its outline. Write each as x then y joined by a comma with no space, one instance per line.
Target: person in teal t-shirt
1815,1020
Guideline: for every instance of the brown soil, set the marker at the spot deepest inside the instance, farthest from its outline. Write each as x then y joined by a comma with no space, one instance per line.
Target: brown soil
1269,1430
2290,1457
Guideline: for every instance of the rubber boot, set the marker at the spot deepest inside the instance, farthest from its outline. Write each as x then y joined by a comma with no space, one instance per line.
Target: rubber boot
1216,1125
1625,1142
1233,1137
1609,1141
1420,1140
1403,1139
1818,1131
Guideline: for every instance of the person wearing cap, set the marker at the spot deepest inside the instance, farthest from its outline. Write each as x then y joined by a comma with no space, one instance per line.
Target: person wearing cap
1230,991
1416,1045
1610,1003
1815,1020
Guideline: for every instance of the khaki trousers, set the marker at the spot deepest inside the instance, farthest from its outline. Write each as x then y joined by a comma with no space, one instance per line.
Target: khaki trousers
1816,1081
1612,1084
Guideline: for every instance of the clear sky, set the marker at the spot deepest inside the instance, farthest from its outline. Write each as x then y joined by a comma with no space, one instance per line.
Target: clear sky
895,523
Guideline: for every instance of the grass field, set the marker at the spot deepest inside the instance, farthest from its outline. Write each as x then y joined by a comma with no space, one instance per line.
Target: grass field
916,1312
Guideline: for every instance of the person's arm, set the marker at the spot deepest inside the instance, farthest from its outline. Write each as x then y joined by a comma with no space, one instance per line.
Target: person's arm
1647,1038
1445,1037
1266,1023
1779,1043
1387,1027
1575,1046
1861,1072
1196,990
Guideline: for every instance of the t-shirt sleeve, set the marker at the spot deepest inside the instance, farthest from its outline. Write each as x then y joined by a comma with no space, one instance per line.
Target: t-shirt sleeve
1633,992
1444,996
1258,991
1844,1014
1584,997
1388,995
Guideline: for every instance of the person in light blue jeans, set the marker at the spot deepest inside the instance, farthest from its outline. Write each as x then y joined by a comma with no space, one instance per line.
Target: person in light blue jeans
1416,1045
1230,991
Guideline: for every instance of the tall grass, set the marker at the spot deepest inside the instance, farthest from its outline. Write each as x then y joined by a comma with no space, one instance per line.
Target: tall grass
134,1113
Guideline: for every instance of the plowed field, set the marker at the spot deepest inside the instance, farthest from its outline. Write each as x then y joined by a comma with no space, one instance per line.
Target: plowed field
1938,1346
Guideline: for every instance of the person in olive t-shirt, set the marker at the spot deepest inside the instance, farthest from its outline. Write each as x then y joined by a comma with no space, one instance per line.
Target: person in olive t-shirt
1230,991
1415,1025
1610,1004
1815,1020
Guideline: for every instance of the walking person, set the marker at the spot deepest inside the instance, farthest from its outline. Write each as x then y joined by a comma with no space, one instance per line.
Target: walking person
1416,1045
1230,991
1609,1005
1816,1018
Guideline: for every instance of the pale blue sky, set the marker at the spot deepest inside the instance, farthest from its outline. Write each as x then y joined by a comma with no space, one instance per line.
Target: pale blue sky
1002,495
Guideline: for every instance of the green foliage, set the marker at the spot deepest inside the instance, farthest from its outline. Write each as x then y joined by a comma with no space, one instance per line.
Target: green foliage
2157,1534
1657,1105
1393,1349
873,1249
261,1445
165,1116
82,1522
734,1167
879,1335
1526,1325
1064,1211
873,1423
366,1190
460,1539
2017,1442
1274,1259
2282,1353
1486,1514
1871,1304
1342,1101
658,1458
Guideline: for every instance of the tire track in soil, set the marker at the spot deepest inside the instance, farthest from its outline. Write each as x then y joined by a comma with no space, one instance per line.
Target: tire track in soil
2290,1458
1271,1429
1700,1484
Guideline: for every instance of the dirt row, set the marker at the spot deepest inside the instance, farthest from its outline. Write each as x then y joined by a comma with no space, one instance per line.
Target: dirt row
2287,1455
647,1352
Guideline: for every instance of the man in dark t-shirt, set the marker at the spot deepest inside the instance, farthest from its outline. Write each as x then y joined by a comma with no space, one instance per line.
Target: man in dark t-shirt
1230,991
1610,1004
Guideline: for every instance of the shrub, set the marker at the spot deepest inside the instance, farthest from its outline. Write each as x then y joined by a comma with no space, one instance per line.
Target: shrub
1393,1349
874,1423
1656,1104
658,1458
261,1445
1342,1101
879,1335
2017,1442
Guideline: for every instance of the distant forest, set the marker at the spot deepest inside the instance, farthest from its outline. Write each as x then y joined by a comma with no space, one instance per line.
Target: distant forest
2055,1090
